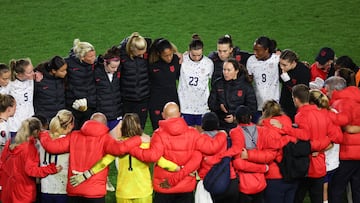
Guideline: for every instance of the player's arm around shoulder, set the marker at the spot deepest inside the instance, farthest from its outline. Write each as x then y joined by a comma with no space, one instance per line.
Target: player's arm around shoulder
55,146
208,145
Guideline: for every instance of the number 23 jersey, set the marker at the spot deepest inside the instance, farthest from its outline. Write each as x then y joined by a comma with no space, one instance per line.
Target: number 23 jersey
193,89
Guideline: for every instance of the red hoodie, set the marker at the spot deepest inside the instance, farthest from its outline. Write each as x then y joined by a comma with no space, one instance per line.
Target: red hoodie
314,125
18,169
87,146
177,142
347,102
274,170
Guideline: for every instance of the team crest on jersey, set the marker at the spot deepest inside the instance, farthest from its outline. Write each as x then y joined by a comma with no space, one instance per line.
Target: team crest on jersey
3,133
172,68
239,93
157,112
118,75
238,58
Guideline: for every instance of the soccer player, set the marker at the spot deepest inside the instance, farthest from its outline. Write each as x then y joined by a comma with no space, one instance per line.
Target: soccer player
263,70
21,88
193,89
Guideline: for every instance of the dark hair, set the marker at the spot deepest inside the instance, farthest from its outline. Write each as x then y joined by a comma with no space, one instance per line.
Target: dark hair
238,66
157,47
4,68
196,43
289,55
348,75
243,114
346,62
6,101
112,52
55,63
210,121
226,39
301,92
266,43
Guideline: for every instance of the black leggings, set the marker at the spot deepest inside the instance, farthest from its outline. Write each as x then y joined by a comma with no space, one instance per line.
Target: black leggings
76,199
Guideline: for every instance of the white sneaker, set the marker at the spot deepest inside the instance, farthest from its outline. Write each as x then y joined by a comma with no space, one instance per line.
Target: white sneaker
109,186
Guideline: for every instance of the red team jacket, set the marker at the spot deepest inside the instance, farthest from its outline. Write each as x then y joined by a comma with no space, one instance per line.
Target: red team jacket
347,102
274,170
177,142
208,162
87,146
251,172
314,125
18,169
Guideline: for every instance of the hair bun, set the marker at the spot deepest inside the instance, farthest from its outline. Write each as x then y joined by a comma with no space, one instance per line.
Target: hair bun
227,36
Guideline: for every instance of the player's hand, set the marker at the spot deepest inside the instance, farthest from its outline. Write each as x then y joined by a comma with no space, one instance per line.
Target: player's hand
79,177
80,104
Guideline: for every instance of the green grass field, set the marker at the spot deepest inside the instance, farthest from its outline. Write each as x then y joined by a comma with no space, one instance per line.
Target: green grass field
40,29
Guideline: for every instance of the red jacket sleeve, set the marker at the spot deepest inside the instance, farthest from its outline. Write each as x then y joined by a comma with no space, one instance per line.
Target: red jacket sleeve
152,154
261,156
57,146
192,165
247,166
208,145
301,133
237,143
118,148
32,163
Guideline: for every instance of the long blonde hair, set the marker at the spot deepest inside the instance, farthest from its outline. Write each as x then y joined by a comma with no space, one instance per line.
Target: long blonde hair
29,127
60,122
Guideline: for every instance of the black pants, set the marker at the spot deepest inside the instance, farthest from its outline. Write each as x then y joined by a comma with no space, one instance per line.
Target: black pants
187,197
280,191
139,107
315,186
231,194
76,199
348,171
254,198
155,116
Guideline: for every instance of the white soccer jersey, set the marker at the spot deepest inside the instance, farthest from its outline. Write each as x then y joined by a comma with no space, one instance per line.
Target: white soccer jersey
193,88
4,133
266,78
23,92
4,90
55,183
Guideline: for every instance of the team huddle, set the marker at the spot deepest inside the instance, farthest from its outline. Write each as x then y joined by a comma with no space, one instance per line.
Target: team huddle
232,126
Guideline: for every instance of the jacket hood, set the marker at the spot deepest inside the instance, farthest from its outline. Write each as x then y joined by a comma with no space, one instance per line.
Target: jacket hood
22,146
350,93
94,128
174,126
